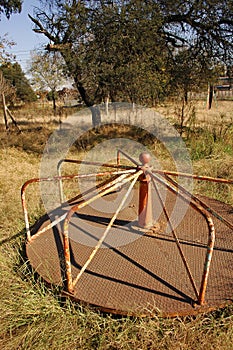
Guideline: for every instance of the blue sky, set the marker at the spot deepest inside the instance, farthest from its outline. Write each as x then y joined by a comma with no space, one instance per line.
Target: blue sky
19,29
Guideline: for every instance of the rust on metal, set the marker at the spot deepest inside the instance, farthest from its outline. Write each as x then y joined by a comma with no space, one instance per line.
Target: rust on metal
127,156
111,186
138,274
76,161
211,236
194,176
177,242
25,211
58,178
199,201
105,165
101,240
145,216
210,248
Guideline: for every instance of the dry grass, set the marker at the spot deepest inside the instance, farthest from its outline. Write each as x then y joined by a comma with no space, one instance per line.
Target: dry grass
34,317
219,110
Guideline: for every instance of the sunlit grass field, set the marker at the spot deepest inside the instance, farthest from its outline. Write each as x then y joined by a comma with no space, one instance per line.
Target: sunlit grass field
34,316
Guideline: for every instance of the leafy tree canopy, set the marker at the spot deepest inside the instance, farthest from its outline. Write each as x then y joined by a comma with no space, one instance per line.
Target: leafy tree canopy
47,72
16,78
128,48
4,44
8,7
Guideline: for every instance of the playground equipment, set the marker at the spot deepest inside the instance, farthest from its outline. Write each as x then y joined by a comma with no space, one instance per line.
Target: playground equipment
140,259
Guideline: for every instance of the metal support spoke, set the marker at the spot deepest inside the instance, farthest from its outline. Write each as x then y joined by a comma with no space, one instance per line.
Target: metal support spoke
193,259
117,183
127,156
193,176
59,178
199,201
62,217
211,237
98,245
106,165
177,241
76,161
101,185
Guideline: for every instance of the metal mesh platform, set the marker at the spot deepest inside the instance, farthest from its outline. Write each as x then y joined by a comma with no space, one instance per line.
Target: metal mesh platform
136,272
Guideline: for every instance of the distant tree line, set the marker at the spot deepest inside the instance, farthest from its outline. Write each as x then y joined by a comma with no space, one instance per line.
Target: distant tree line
16,78
13,83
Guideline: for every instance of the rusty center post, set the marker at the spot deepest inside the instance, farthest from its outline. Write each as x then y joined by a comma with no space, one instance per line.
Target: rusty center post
145,215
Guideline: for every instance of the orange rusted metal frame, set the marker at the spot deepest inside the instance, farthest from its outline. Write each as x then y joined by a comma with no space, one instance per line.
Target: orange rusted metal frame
101,240
55,178
176,240
195,198
127,156
194,176
211,236
76,161
201,295
112,186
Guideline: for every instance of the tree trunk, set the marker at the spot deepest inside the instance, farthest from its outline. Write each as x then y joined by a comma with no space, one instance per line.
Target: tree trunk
210,96
182,117
95,111
54,102
186,96
86,98
106,104
12,118
96,115
5,111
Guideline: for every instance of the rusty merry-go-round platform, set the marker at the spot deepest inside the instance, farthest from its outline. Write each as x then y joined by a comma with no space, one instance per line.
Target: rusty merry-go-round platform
157,252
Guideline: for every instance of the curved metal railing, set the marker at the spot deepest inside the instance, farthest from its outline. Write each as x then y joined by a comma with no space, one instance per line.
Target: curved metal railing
210,244
126,174
56,179
70,282
76,161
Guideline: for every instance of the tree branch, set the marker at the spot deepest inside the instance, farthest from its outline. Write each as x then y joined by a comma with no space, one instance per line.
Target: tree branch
41,29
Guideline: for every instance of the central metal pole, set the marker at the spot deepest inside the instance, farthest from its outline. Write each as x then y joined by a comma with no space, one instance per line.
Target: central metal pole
145,214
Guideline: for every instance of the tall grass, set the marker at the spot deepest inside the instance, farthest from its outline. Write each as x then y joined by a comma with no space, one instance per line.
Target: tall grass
34,316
